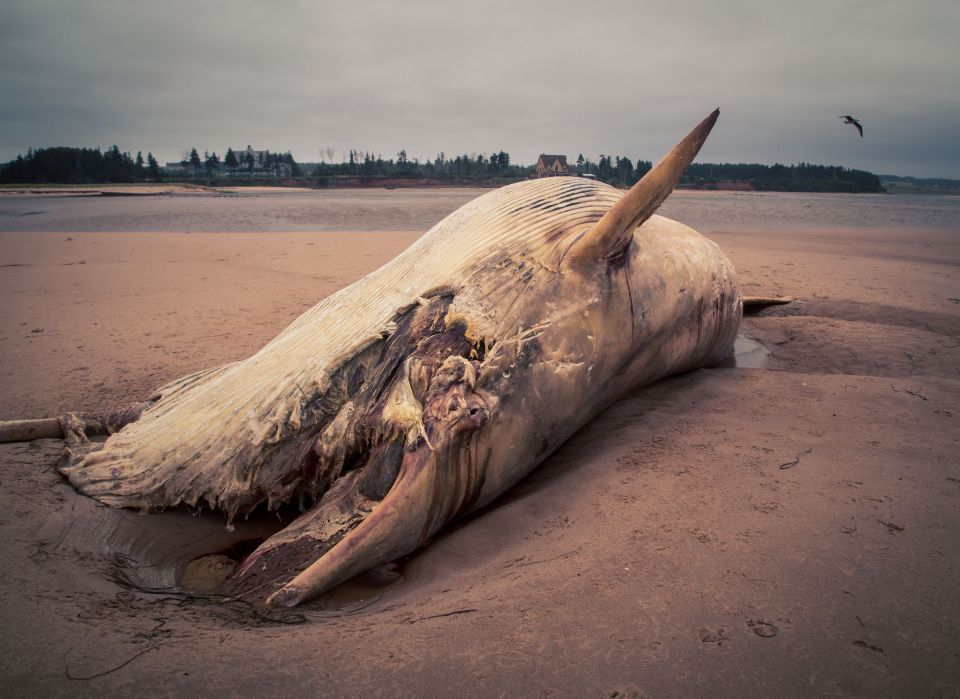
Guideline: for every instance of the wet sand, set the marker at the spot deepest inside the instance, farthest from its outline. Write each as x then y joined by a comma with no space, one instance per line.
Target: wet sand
667,549
48,190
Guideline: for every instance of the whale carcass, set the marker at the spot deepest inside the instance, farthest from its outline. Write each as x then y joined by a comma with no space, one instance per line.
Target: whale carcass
426,389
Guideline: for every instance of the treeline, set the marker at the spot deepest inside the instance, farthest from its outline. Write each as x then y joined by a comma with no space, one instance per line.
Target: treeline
802,177
896,184
615,170
64,165
364,164
923,181
612,169
90,165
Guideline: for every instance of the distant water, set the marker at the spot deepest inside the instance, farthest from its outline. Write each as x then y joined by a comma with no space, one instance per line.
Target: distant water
419,209
714,211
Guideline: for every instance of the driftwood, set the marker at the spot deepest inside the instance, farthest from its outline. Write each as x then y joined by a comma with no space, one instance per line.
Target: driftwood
26,430
73,427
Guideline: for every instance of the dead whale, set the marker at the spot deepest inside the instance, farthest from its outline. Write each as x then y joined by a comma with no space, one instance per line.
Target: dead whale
426,389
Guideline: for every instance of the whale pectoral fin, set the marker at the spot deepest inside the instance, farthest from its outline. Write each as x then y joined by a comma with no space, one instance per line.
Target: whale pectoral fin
755,304
613,232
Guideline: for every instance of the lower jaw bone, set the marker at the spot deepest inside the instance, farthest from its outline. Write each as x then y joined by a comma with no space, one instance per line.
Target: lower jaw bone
414,431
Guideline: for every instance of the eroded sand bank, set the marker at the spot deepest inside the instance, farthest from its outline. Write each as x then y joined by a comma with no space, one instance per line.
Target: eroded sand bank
662,551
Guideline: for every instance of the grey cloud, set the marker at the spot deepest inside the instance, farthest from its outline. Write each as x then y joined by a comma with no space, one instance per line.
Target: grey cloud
600,77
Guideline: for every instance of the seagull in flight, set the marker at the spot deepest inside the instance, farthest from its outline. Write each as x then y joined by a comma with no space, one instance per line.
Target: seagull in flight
847,119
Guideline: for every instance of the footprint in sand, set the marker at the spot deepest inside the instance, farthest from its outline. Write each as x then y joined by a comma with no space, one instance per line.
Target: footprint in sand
718,636
763,628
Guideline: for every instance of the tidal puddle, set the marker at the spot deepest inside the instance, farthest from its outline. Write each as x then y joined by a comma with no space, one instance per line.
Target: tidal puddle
181,552
748,353
172,551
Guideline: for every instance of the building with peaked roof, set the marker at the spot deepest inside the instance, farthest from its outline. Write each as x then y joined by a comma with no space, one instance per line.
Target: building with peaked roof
250,158
250,163
551,165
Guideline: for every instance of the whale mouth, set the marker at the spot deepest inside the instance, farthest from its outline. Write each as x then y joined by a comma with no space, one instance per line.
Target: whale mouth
394,454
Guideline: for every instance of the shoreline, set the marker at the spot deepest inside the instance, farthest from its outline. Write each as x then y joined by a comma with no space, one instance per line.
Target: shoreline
181,189
194,189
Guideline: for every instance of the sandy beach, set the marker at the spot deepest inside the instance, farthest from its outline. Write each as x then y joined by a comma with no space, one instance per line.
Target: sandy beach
789,527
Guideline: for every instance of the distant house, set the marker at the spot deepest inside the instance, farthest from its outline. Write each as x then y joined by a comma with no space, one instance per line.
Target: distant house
254,163
250,163
174,170
552,165
250,158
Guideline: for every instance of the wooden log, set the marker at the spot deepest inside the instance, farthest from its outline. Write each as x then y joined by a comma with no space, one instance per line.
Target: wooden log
26,430
71,425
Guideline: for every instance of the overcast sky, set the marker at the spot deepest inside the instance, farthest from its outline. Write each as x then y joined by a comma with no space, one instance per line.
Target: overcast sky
588,76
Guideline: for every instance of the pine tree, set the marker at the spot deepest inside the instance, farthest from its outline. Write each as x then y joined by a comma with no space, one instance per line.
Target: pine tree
153,167
643,167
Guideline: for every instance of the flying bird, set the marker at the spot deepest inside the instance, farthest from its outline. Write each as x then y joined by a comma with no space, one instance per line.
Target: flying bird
847,119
